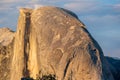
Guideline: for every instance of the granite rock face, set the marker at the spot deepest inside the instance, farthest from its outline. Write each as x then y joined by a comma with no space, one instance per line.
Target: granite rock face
6,36
53,41
6,52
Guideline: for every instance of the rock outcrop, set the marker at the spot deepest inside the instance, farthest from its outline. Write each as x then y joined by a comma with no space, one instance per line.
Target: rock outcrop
53,41
114,67
6,52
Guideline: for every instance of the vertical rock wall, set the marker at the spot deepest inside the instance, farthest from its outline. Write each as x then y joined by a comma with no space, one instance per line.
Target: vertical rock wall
21,46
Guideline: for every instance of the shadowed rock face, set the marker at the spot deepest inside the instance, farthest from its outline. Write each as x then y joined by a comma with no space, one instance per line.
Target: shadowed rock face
114,67
52,41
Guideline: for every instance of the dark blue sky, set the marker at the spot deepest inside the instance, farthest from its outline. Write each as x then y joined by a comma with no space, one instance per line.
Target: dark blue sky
101,17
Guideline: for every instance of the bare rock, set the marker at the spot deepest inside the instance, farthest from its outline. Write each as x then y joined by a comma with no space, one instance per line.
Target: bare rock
6,36
6,50
52,41
114,66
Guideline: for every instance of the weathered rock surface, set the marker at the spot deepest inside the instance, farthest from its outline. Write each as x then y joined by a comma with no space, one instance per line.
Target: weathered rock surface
6,50
53,41
6,36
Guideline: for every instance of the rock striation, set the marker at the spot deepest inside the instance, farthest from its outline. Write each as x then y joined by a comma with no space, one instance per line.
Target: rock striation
53,41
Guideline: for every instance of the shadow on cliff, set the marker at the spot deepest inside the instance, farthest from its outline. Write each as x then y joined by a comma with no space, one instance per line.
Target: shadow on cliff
115,67
44,77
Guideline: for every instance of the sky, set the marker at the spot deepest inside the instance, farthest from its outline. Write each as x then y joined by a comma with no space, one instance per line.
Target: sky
101,17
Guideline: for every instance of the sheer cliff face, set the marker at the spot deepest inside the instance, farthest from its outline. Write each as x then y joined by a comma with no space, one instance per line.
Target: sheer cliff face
52,40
